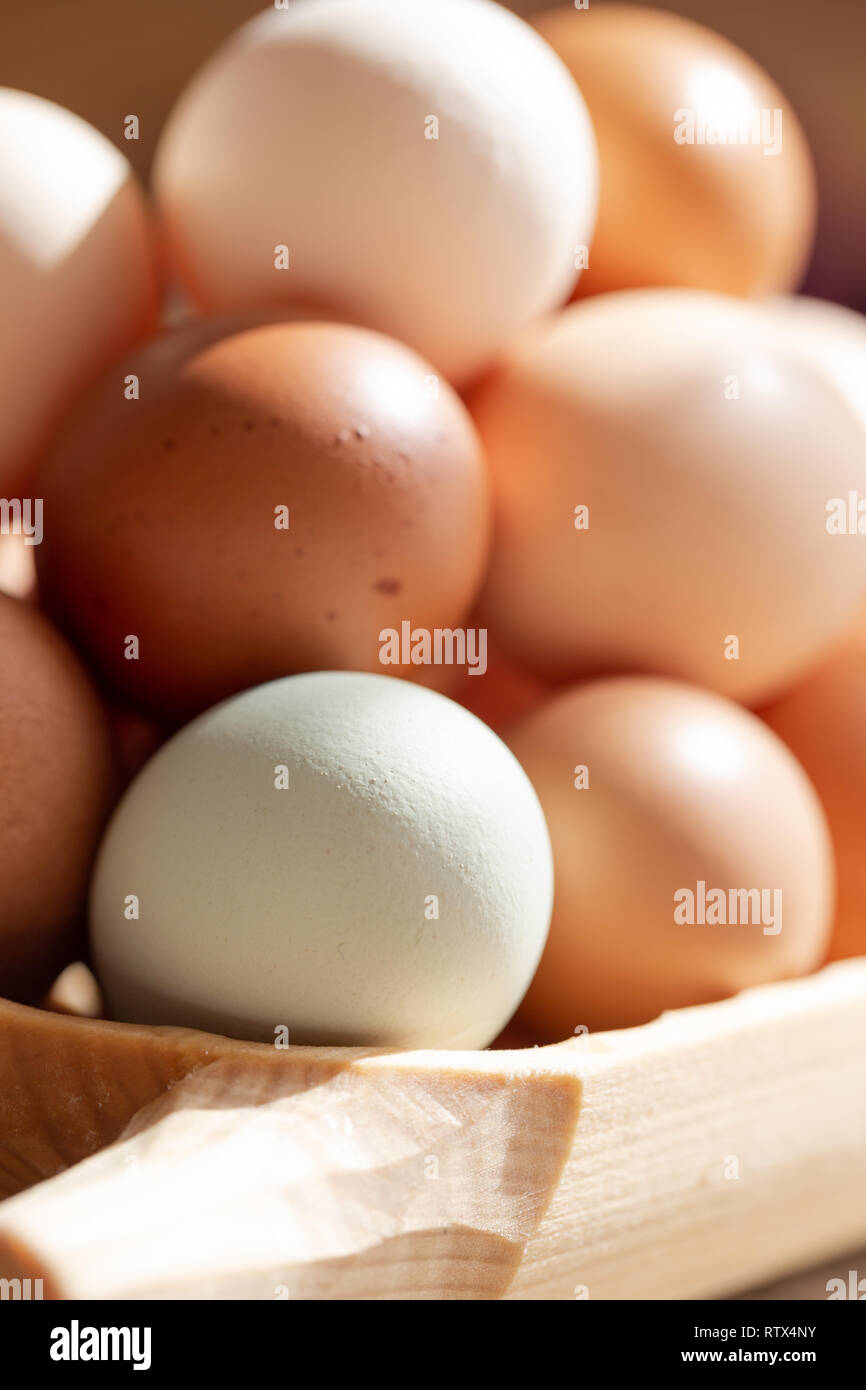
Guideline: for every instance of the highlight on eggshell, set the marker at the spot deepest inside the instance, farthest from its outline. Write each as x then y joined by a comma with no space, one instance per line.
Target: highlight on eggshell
17,555
833,338
345,856
666,473
75,991
691,855
277,498
424,167
707,180
77,270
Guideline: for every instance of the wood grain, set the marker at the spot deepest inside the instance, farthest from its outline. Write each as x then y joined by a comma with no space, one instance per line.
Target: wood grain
717,1148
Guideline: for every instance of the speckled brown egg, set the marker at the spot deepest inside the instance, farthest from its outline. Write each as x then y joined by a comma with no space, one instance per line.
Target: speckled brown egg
56,786
234,504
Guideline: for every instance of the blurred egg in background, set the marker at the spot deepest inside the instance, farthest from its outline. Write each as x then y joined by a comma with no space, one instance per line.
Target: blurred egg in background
707,179
662,464
106,61
401,163
77,269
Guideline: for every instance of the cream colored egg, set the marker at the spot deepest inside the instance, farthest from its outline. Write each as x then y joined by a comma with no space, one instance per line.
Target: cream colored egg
832,338
667,472
424,167
77,269
343,855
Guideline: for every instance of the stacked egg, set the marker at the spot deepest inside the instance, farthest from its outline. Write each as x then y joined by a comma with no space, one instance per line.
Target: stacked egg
463,578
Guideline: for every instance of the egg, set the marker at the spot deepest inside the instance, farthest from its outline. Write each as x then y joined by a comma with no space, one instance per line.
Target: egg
667,479
833,339
707,180
77,269
75,992
424,167
691,855
17,564
345,856
57,779
235,504
819,68
823,722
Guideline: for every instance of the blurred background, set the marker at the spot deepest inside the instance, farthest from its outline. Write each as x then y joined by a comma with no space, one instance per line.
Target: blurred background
106,59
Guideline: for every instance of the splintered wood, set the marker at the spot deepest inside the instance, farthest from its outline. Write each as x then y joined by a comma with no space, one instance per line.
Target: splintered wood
714,1149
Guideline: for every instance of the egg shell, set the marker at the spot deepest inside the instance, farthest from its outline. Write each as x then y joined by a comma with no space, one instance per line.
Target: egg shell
394,891
706,453
17,565
162,514
823,721
682,787
77,270
675,209
428,167
74,992
58,783
833,339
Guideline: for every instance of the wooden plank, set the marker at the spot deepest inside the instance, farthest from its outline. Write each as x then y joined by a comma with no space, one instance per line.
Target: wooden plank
714,1149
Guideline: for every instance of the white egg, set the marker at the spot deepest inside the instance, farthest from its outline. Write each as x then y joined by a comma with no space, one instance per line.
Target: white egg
348,856
77,268
428,168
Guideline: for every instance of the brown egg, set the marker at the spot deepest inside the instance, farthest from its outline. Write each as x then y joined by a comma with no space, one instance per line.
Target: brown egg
823,721
667,807
276,498
706,177
57,782
662,467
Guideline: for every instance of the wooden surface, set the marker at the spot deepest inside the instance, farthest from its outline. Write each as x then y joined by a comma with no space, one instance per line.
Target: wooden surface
812,1285
712,1151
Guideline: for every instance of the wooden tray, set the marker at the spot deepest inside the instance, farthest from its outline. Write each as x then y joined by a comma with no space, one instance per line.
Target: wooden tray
702,1154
